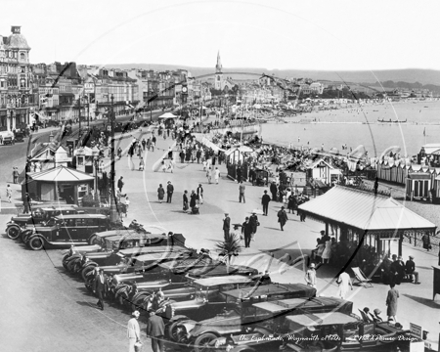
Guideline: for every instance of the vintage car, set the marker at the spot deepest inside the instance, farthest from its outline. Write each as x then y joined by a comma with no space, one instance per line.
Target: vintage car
19,136
169,274
340,332
37,216
65,230
243,317
7,137
265,323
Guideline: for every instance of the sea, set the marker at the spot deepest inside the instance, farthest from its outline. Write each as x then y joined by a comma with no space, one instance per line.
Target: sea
355,125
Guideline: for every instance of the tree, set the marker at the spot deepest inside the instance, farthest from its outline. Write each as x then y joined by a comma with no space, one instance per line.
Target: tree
231,246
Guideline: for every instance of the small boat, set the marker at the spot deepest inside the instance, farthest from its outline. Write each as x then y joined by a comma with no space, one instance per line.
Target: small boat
391,121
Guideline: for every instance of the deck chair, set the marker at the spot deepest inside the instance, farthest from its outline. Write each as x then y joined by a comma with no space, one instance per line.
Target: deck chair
361,278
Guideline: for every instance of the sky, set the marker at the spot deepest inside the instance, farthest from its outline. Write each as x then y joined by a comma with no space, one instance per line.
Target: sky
271,34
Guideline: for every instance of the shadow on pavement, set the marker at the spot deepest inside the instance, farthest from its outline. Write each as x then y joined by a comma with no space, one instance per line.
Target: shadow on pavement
425,301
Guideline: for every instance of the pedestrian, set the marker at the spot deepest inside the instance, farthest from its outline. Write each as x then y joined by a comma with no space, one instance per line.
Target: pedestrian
265,203
226,225
156,331
241,191
209,174
127,204
27,203
198,155
327,253
185,201
120,184
397,270
344,282
246,229
141,164
291,203
160,193
133,332
310,276
170,190
391,302
426,242
282,218
200,194
193,203
253,222
170,165
216,175
100,288
410,268
274,190
9,193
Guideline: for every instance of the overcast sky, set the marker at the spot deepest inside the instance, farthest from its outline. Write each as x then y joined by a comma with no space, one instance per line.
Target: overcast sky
272,34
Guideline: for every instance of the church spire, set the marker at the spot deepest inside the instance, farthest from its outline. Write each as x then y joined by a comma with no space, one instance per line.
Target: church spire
218,67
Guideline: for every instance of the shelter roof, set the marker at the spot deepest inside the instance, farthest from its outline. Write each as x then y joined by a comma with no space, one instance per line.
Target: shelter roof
432,148
364,210
60,174
317,162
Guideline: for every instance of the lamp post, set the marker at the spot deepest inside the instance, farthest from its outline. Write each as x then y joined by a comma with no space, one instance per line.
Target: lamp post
113,212
95,153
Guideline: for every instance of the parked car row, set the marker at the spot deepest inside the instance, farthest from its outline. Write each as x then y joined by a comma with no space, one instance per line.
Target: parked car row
208,306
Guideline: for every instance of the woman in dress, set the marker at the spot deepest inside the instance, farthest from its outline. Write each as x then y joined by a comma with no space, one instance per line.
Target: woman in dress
327,253
160,193
291,204
391,302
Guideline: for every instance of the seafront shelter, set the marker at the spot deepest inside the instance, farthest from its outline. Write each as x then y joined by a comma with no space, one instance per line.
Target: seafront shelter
364,218
58,184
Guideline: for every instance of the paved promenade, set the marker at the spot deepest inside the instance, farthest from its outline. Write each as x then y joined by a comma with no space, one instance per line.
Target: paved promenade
203,231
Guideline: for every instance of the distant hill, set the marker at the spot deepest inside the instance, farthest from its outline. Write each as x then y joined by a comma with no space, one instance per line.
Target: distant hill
420,76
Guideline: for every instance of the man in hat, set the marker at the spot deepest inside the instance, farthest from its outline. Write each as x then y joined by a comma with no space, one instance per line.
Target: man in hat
226,225
265,202
253,222
282,218
170,190
246,229
100,288
156,331
310,276
410,269
133,331
397,269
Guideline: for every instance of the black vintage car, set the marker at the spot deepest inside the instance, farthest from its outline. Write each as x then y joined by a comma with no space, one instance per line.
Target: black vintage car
18,223
260,319
65,230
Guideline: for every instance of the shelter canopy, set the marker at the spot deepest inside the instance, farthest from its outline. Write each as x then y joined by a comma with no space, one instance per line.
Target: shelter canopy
60,174
364,210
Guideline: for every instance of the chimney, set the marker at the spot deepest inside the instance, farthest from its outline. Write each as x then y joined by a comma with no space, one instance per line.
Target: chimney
15,29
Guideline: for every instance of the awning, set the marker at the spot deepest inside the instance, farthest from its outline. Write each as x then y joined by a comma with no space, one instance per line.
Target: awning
364,210
60,174
65,94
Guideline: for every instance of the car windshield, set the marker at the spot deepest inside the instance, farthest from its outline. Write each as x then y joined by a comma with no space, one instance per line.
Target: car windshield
50,222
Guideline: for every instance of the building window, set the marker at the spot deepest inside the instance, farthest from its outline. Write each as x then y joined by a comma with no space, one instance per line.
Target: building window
22,56
2,83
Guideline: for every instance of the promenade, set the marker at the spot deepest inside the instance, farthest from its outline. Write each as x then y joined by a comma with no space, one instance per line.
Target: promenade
205,229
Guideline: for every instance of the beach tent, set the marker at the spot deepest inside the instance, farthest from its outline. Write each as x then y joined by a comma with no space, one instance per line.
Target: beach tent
167,115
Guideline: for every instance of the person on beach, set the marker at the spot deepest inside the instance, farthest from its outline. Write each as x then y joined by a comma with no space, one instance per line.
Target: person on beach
209,175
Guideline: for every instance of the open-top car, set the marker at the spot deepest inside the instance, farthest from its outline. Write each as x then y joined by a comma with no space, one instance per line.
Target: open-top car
65,230
243,317
38,216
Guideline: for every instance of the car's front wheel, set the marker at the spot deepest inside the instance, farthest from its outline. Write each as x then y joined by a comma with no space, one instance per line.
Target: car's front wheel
36,243
13,232
93,240
201,344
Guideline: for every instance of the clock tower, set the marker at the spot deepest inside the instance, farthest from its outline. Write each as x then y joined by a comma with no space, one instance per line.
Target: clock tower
218,84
